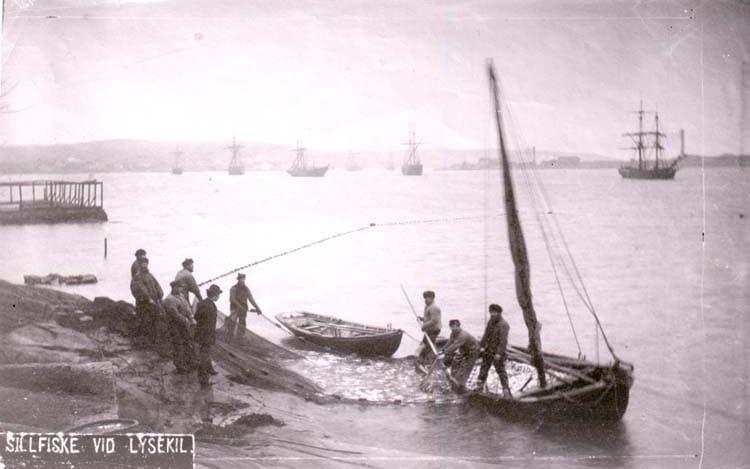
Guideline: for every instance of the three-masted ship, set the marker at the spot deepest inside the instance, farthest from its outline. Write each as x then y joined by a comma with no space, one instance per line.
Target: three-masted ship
301,168
177,167
236,167
412,166
648,143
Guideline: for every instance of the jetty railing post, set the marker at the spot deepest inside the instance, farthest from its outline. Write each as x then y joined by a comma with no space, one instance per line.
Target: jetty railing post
20,196
33,192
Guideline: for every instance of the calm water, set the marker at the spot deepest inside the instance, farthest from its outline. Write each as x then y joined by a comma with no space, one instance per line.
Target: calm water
675,307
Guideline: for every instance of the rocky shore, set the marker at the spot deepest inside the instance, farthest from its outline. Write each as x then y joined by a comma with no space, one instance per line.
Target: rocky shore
67,361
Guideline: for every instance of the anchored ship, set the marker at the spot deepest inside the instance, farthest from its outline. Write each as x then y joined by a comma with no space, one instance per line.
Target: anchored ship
648,143
412,166
236,168
300,167
177,168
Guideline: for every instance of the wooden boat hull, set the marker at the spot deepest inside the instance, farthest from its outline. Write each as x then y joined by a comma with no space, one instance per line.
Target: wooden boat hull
603,395
412,169
628,172
375,341
313,172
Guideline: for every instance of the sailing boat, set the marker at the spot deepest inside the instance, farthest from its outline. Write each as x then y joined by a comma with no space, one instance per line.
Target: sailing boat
236,168
352,164
177,168
300,168
568,387
642,167
412,166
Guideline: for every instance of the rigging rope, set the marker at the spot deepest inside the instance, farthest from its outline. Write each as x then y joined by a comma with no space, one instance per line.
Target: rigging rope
534,185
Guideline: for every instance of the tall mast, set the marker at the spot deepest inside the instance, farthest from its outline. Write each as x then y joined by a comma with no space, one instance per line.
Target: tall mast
177,154
517,242
657,145
235,151
640,136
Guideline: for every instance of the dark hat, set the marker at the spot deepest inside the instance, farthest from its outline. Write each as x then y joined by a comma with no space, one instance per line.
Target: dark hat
187,261
496,308
241,276
454,322
175,283
428,294
213,290
140,252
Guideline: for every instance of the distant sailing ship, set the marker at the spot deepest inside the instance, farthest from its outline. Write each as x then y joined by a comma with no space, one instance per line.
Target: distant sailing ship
352,165
177,168
236,168
412,166
643,167
300,168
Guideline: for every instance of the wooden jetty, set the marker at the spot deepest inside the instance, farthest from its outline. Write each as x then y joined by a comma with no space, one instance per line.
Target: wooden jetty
50,201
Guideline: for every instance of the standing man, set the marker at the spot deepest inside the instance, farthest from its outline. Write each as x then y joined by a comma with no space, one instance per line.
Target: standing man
189,285
493,345
461,353
181,324
430,325
239,296
205,333
148,294
135,266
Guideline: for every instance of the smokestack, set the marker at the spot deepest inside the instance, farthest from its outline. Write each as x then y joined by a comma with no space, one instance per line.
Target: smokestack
682,142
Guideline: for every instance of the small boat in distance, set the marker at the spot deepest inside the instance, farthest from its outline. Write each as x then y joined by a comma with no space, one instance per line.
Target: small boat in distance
643,167
300,168
342,336
352,164
236,168
177,168
412,166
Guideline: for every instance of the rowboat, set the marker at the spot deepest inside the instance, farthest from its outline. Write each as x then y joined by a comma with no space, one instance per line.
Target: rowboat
569,388
342,336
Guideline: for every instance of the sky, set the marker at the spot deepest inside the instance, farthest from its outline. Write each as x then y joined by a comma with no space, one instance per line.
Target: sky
351,75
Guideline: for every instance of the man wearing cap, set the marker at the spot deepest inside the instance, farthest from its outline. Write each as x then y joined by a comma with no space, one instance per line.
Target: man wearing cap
189,285
461,353
148,294
181,323
205,332
239,296
430,325
135,266
492,349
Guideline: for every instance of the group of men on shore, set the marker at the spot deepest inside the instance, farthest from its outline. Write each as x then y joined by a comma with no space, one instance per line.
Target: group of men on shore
462,350
192,332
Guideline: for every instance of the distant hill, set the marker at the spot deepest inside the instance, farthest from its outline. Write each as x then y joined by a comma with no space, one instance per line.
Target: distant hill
145,156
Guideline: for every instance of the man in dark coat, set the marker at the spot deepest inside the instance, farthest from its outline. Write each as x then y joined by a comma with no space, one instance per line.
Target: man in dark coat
205,332
493,347
136,265
181,323
239,296
148,307
461,353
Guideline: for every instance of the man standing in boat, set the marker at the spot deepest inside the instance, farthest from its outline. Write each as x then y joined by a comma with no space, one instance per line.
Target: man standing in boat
205,333
239,296
189,285
430,325
461,353
492,349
